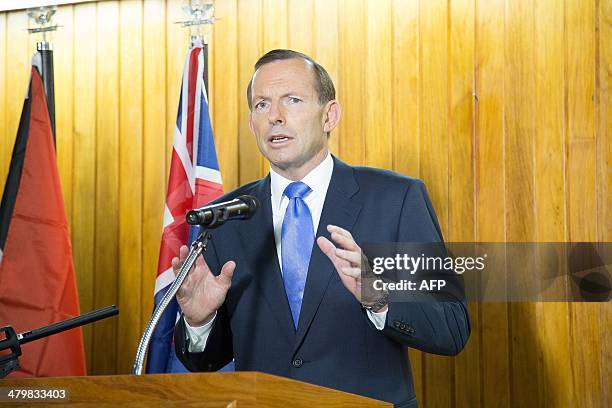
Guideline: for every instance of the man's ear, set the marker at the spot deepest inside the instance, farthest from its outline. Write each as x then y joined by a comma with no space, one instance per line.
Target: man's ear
251,122
333,112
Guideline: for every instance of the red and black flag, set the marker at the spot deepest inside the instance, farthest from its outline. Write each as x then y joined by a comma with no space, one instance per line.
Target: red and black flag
37,279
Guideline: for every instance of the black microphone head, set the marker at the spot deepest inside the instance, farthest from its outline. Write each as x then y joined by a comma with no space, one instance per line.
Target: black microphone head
252,202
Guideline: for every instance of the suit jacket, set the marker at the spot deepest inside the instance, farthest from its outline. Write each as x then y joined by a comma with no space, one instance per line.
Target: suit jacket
335,344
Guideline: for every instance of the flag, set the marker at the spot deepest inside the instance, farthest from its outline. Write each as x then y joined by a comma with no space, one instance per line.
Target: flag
37,280
194,180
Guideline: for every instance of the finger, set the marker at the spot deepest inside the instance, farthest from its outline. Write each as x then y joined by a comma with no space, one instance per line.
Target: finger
175,265
327,247
183,252
345,242
352,257
227,271
352,272
339,230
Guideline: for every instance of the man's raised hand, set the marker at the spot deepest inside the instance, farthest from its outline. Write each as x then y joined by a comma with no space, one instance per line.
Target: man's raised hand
202,293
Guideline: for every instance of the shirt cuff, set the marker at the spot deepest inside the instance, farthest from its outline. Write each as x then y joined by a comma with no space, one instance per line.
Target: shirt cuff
198,336
378,319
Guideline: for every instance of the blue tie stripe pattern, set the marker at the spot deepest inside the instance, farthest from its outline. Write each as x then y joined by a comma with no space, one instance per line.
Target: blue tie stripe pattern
297,238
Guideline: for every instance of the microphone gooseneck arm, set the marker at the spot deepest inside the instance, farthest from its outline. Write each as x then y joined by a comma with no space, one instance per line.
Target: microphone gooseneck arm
198,246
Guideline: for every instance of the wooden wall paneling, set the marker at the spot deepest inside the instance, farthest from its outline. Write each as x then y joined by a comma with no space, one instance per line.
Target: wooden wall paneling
274,25
352,48
154,175
106,228
519,189
228,97
84,164
405,115
325,51
378,115
250,38
63,62
17,73
490,197
604,183
581,189
5,142
433,38
300,26
130,186
552,317
461,219
405,87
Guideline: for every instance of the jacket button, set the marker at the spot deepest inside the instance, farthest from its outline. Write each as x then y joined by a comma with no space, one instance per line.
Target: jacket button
297,363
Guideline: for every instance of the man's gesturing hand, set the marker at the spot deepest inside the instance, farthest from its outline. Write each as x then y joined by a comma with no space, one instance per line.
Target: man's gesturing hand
347,258
202,293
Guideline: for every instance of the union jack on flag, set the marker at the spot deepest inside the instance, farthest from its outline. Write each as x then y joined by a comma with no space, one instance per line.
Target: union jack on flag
194,180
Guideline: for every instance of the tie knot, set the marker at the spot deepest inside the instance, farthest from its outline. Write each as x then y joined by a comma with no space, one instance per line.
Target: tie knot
297,189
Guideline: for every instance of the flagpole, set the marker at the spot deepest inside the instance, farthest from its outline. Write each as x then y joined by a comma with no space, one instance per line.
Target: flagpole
154,348
45,49
42,16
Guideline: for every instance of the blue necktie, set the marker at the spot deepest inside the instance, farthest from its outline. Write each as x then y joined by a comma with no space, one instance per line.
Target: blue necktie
297,238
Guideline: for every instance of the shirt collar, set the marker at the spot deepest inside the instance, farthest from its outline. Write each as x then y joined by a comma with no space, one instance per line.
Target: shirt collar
318,180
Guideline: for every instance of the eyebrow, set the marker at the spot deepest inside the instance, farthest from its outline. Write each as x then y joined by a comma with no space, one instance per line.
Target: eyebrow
257,97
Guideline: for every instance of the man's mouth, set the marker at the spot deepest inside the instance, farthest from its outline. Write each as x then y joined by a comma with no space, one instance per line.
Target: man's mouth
278,139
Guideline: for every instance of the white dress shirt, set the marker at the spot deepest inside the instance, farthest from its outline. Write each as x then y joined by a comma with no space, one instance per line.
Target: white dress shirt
318,180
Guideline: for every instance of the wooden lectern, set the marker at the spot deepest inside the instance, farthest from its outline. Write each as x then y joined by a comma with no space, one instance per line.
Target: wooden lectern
236,390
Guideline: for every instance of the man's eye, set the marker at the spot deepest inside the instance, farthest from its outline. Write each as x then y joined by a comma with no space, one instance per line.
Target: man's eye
260,105
294,100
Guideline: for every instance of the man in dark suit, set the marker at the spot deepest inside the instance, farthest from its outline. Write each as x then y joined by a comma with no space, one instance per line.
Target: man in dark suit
270,297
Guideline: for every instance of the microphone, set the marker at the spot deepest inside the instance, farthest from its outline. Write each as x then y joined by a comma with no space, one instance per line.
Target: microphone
242,207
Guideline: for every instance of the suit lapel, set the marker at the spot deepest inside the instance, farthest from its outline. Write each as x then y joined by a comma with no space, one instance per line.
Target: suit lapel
339,210
260,252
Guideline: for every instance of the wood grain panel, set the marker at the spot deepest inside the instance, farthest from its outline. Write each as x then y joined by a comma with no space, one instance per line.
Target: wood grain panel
490,201
106,225
325,50
154,173
130,188
84,164
433,43
300,24
519,190
351,133
604,183
461,222
405,116
405,87
581,190
378,116
550,165
552,317
228,98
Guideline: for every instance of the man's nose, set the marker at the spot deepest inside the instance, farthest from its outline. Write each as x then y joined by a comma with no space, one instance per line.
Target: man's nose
275,115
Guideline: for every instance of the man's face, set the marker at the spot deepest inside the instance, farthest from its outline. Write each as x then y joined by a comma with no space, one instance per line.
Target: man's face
287,119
